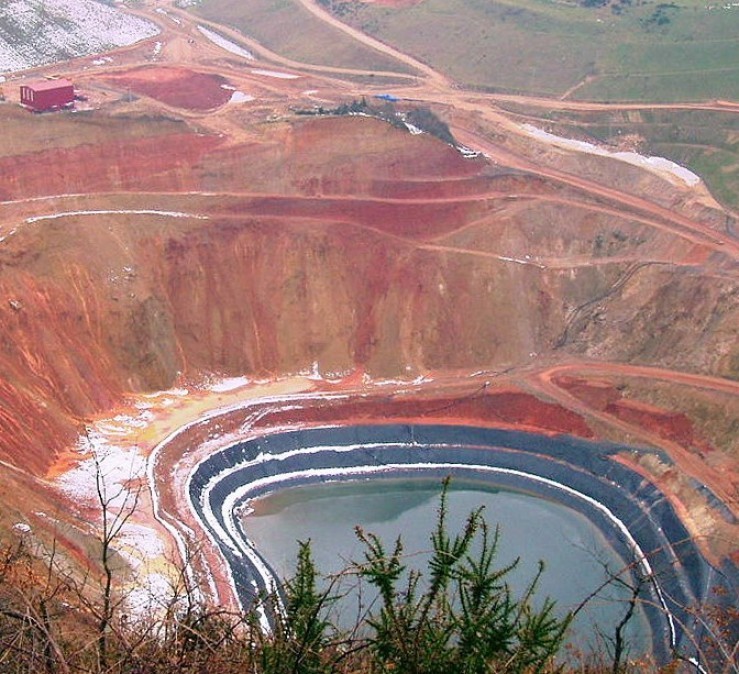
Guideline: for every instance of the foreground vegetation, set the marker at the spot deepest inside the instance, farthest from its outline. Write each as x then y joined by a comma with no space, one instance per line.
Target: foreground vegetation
459,616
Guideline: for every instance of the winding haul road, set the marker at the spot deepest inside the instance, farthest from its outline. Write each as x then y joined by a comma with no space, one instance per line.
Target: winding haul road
213,482
431,86
480,114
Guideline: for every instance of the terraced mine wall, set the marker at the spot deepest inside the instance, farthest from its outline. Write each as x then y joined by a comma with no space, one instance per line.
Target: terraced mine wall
632,513
516,266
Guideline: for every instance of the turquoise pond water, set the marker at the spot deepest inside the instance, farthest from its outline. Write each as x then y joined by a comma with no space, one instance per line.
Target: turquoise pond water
574,551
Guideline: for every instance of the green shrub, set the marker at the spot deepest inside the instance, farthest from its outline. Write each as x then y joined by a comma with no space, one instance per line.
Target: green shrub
465,620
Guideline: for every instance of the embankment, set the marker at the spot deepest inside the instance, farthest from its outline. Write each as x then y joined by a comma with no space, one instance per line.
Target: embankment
634,516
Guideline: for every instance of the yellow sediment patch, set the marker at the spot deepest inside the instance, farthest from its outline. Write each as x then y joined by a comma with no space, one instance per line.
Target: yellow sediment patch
166,411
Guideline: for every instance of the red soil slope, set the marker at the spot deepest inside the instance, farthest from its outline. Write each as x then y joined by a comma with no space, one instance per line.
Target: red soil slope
176,87
603,395
159,163
497,408
283,250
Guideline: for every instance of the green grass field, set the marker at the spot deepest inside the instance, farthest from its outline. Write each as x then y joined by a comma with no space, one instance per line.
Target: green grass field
631,49
705,142
286,28
639,50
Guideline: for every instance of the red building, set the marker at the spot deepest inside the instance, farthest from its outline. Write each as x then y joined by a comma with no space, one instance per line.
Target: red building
47,95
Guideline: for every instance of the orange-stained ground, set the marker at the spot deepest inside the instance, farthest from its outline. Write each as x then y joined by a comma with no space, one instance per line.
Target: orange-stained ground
158,237
176,87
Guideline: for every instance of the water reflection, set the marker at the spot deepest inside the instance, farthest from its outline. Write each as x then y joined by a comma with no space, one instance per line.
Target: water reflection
575,552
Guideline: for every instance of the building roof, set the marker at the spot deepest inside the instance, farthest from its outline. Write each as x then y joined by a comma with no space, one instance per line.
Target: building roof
47,85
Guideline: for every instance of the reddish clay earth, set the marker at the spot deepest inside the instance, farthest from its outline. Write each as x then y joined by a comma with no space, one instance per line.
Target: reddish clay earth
162,240
176,87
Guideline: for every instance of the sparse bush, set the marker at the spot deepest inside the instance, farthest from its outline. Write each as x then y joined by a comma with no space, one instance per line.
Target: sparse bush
299,641
426,120
456,616
465,620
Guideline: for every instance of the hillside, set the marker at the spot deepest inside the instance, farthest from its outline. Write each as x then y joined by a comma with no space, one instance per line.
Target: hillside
39,33
223,242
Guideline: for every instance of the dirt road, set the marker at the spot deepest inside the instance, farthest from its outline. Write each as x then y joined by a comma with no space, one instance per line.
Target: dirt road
479,123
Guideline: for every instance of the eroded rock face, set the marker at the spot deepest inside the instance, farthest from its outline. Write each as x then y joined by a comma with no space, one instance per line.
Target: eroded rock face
342,242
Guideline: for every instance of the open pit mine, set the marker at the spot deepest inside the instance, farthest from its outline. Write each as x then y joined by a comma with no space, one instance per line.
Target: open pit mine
208,297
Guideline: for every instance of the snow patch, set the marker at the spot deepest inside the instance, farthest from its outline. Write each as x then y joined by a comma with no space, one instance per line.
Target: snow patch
70,28
140,544
517,260
9,234
110,472
315,372
468,153
223,43
274,73
153,594
164,12
229,384
240,97
167,214
113,466
659,165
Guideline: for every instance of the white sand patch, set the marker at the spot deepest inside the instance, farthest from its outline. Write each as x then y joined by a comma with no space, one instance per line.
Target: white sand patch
223,43
229,384
274,73
9,234
166,214
663,167
22,528
240,97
